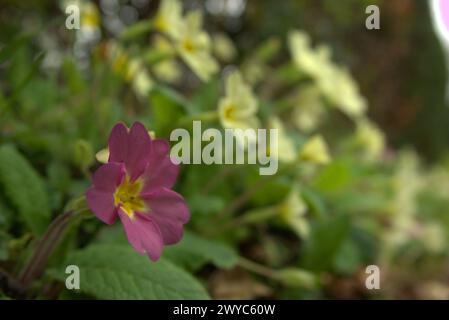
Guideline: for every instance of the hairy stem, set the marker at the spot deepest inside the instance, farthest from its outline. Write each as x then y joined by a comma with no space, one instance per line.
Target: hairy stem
45,247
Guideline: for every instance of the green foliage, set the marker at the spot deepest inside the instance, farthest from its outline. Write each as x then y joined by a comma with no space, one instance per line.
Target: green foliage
117,272
24,188
191,253
60,97
326,240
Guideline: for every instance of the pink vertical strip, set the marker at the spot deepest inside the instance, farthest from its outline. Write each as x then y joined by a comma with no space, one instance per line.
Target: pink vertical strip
444,11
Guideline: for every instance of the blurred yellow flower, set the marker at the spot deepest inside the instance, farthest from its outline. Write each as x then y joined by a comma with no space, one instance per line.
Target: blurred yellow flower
334,81
132,70
371,138
90,16
223,47
194,46
168,69
343,92
293,212
309,109
169,17
315,150
142,82
102,156
313,62
286,151
238,108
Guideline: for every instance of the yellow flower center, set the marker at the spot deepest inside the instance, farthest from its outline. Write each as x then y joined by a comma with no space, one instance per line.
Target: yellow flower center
188,45
229,112
161,24
127,196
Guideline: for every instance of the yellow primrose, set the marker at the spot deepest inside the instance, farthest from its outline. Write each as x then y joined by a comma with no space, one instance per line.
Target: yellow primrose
223,47
132,70
343,92
238,108
119,59
313,62
169,17
166,70
293,210
90,17
309,109
102,156
315,150
286,151
142,83
371,138
194,46
334,81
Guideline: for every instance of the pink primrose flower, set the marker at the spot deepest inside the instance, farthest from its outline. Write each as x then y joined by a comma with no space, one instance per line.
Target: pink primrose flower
135,185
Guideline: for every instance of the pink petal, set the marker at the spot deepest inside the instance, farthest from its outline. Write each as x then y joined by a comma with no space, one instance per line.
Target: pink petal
444,8
169,211
139,150
118,143
102,204
161,171
108,177
143,234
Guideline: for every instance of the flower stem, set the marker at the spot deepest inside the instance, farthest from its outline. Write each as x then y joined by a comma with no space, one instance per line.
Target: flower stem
137,30
46,245
11,286
251,217
257,268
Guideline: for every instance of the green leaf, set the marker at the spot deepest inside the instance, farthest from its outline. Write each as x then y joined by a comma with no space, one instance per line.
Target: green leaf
195,247
348,259
336,177
24,188
4,250
10,49
118,272
191,253
326,240
167,107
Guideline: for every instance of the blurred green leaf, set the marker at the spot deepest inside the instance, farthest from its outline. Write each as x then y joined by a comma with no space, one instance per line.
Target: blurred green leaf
295,277
83,154
335,177
118,272
197,247
11,48
24,188
348,259
325,242
191,253
167,107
